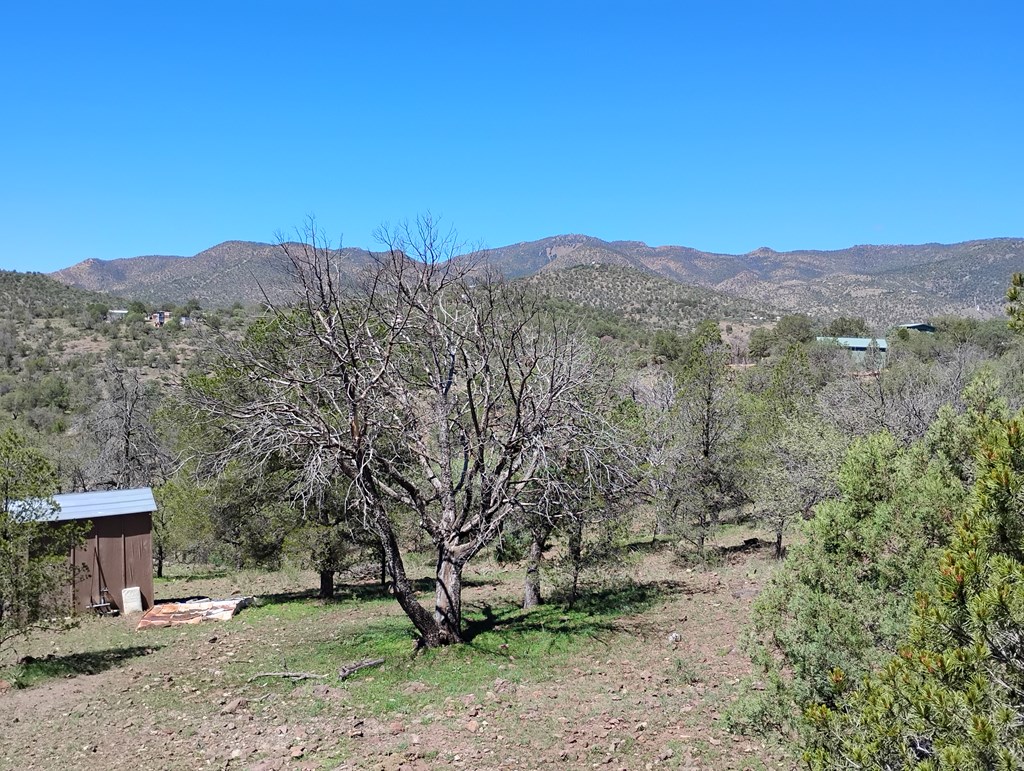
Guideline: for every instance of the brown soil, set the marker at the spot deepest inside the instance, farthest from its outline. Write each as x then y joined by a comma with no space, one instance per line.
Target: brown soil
640,697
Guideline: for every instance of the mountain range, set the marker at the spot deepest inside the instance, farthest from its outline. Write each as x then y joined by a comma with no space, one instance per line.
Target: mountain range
884,283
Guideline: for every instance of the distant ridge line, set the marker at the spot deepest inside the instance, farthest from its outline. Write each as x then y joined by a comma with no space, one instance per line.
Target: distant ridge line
870,280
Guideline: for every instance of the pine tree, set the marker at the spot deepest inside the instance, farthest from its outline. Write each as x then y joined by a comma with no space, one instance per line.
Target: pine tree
953,697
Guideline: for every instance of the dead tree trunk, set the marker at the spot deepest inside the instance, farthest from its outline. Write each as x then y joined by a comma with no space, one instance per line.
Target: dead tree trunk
531,585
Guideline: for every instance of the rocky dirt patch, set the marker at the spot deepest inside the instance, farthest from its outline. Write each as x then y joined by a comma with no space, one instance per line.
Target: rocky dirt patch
649,692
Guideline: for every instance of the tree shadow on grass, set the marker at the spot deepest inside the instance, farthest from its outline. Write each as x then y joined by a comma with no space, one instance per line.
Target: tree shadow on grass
364,591
31,671
619,599
510,631
203,575
647,546
594,614
747,546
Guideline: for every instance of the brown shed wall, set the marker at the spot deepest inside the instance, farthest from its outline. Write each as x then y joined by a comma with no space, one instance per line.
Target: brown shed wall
117,553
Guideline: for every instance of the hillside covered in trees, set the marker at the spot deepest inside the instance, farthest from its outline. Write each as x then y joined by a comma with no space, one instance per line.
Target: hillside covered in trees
886,284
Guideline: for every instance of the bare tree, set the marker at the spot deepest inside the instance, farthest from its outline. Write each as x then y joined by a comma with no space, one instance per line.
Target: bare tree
426,384
800,468
130,453
129,450
904,398
657,393
580,497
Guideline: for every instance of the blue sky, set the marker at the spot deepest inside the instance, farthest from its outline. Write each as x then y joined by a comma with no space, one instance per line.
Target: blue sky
165,128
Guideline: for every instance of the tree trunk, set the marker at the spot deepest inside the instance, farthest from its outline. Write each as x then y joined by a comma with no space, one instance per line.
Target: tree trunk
778,542
448,598
159,560
531,585
575,549
430,633
326,585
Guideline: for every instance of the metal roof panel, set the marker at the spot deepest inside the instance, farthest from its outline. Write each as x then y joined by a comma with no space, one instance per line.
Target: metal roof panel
856,342
104,503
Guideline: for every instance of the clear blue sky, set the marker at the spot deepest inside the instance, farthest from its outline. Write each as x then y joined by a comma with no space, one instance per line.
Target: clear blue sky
167,127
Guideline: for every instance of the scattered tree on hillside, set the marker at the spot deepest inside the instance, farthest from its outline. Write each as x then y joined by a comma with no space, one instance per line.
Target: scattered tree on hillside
130,451
760,343
186,524
425,386
795,456
789,330
847,326
585,508
905,397
794,328
252,512
334,539
655,393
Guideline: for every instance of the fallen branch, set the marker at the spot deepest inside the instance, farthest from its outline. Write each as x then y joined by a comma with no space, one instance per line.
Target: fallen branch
351,669
296,676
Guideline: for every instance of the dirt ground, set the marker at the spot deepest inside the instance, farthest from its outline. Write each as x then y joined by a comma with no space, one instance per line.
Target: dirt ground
647,692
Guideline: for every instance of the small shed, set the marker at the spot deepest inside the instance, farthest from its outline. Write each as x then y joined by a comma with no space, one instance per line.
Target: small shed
117,552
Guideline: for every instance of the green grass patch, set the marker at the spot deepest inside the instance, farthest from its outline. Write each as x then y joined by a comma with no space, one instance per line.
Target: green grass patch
503,641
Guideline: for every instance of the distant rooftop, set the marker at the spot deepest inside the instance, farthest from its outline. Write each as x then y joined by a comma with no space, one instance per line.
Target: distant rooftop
920,326
857,343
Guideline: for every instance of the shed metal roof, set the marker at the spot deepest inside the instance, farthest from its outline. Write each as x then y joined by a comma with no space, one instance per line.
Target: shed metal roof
856,342
105,503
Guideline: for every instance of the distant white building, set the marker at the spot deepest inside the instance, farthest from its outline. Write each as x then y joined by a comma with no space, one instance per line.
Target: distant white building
116,314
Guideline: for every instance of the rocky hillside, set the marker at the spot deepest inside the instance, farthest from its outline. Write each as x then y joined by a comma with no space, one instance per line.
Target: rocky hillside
646,299
885,284
35,295
234,271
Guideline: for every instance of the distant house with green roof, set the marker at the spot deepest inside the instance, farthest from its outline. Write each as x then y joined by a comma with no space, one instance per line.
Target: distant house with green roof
859,347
